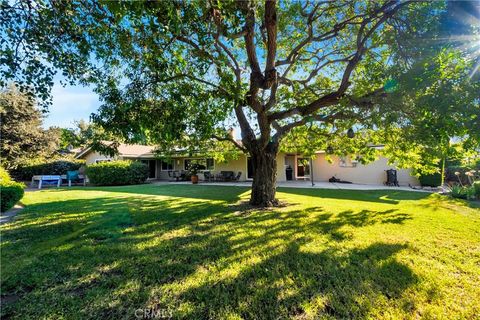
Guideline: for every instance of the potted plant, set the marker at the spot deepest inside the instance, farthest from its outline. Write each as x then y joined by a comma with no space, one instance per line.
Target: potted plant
193,171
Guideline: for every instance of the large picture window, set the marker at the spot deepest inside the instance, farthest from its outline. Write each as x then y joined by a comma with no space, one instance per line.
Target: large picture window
205,164
167,165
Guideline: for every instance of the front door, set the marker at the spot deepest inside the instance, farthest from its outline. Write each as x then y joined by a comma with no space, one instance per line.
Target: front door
303,168
249,168
152,170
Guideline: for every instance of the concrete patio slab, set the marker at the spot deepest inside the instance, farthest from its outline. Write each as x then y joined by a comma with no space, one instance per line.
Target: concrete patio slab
305,184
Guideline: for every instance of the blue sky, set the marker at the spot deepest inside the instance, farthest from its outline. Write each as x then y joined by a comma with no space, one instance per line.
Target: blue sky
70,103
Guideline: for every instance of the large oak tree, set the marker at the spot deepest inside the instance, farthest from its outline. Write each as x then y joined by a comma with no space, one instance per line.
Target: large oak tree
178,73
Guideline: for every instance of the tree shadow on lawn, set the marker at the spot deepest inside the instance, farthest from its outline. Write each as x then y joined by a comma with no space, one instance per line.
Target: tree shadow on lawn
293,282
199,191
234,193
381,196
107,257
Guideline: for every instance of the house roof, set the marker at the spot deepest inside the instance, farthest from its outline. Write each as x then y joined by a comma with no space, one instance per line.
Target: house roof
125,150
135,149
143,151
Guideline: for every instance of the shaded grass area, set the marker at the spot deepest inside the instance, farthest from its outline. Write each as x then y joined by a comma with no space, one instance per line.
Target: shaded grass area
193,252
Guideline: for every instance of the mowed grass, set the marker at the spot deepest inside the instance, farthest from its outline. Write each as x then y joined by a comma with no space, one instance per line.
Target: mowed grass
193,252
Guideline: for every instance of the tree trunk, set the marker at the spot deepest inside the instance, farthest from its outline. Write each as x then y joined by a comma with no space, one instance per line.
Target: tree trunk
264,164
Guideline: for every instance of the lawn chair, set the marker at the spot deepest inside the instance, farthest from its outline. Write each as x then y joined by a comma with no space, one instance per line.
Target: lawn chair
391,178
74,176
49,180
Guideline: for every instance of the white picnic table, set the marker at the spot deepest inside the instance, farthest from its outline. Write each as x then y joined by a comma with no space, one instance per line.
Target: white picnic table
57,178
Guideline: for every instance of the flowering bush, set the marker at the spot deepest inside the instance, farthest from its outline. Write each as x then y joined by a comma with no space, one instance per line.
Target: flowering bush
461,175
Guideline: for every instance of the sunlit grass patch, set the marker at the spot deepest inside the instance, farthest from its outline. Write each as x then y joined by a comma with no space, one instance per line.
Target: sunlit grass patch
106,252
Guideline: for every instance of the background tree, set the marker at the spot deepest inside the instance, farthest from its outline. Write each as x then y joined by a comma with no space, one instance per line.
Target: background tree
179,73
82,134
22,134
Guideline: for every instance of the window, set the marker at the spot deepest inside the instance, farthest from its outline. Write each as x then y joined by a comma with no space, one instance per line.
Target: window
205,164
303,167
167,165
210,164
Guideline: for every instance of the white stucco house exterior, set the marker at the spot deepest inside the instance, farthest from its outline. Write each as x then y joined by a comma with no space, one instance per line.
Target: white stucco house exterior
301,168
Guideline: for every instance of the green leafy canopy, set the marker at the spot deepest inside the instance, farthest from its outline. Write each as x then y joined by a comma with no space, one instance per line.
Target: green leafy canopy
177,73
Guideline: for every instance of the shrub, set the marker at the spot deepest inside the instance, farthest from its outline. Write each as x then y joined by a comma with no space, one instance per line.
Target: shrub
459,192
10,191
56,167
431,180
476,188
463,192
111,173
4,176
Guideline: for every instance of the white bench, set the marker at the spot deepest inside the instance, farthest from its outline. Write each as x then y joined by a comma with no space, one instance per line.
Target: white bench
42,179
39,178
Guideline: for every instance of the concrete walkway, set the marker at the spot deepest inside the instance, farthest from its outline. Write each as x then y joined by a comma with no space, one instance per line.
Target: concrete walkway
305,184
10,214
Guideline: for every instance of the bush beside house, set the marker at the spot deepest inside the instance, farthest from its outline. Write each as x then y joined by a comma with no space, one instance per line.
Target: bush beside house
114,173
476,188
430,180
26,171
10,191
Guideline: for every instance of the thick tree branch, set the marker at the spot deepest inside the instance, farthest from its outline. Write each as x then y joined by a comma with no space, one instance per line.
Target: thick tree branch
185,75
271,27
281,131
333,97
233,141
250,38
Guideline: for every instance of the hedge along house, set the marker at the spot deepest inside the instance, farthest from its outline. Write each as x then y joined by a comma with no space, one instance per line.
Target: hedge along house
290,166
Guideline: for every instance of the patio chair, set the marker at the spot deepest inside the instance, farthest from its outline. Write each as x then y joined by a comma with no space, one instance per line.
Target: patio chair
208,176
237,178
171,175
227,175
391,178
177,175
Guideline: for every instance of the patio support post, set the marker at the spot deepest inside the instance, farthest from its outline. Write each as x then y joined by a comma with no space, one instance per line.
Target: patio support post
295,167
311,171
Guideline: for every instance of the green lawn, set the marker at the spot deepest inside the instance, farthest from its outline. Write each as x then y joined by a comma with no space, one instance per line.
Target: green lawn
194,252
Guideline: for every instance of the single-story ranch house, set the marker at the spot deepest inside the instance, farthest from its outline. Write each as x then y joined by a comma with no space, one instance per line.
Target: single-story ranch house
290,166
